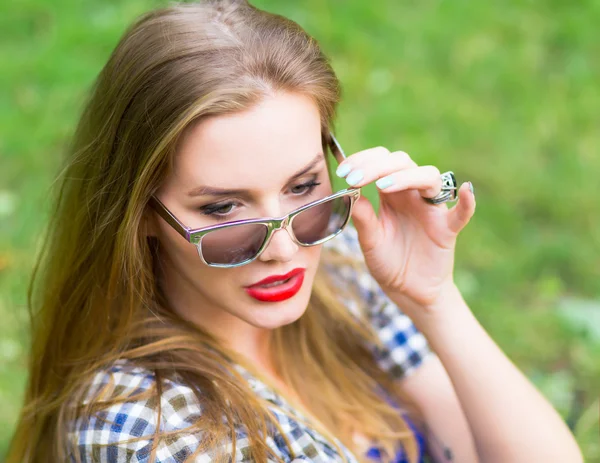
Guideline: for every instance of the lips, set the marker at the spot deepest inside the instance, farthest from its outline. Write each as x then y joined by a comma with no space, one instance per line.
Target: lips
277,287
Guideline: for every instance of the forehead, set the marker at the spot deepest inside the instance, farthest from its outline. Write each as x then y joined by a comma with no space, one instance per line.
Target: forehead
255,149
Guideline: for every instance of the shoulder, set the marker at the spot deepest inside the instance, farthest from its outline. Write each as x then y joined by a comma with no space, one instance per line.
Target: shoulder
123,431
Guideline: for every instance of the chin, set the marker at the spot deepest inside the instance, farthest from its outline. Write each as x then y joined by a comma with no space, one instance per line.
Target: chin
278,314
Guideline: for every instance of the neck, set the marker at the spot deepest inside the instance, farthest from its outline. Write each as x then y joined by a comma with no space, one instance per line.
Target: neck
251,342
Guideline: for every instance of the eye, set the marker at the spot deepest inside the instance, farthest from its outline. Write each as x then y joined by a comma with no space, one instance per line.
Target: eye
305,188
218,210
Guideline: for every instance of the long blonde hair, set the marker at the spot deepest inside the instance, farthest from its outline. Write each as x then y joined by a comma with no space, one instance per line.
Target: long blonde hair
94,297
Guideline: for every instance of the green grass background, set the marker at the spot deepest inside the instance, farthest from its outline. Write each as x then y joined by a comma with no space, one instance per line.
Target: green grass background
506,94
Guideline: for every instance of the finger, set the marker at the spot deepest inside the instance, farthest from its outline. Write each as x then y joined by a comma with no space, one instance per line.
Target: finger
368,156
357,159
367,166
366,223
426,179
460,215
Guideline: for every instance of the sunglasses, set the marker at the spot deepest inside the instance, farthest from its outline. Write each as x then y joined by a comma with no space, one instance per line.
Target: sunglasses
239,242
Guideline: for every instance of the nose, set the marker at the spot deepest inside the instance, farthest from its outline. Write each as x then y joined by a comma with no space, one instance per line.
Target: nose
281,247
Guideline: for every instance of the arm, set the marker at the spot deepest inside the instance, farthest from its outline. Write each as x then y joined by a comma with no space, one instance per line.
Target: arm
509,419
409,247
431,390
406,357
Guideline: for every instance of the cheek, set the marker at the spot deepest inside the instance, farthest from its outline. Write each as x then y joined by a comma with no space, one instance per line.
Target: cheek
312,258
177,249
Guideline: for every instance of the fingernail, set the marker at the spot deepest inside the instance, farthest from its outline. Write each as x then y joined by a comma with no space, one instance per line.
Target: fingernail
355,177
472,188
343,170
384,182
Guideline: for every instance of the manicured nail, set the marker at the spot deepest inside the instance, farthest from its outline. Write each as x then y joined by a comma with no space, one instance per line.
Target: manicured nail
384,182
472,188
354,177
343,170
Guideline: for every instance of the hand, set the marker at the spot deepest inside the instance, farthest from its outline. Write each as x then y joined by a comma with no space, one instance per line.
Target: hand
409,246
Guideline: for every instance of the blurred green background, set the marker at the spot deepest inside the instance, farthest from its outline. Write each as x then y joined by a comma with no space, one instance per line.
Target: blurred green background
505,94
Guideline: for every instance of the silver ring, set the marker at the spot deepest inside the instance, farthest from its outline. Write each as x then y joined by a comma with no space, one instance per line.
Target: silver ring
449,190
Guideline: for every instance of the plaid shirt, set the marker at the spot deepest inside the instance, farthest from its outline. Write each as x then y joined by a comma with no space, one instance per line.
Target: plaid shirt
404,348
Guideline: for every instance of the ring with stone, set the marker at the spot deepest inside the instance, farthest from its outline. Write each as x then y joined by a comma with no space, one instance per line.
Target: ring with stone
449,190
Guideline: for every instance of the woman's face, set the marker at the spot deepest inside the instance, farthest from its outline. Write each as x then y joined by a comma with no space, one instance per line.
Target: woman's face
271,159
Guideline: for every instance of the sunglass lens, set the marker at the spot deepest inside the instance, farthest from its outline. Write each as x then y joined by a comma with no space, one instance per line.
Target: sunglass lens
321,221
233,245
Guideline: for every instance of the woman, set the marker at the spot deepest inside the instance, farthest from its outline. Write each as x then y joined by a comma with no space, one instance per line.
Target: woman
184,311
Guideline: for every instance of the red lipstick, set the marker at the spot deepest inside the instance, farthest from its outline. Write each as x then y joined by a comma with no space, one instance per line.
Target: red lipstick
277,287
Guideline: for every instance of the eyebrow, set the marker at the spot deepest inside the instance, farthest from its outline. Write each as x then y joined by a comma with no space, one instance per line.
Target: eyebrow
215,191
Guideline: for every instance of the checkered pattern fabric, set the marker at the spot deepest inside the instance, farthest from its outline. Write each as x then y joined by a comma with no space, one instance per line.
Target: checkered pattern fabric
123,432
